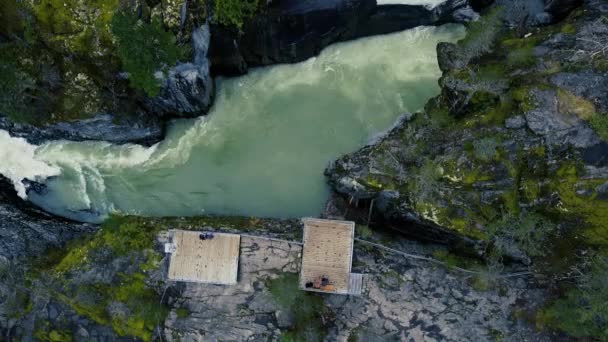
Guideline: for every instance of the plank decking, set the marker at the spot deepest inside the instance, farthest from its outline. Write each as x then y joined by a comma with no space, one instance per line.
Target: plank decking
212,261
328,250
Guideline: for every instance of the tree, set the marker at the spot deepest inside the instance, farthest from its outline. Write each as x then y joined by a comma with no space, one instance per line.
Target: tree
144,49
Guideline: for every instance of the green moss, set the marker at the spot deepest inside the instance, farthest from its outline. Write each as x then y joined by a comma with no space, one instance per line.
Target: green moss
182,312
144,307
523,96
77,26
520,51
531,189
454,260
599,122
363,232
482,100
470,177
439,114
118,234
53,335
592,211
306,307
391,279
568,28
570,103
491,72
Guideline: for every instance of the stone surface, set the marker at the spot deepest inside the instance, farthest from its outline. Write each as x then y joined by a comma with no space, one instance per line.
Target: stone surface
188,89
141,130
402,300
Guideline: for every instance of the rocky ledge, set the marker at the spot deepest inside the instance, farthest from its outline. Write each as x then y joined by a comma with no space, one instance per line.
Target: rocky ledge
520,128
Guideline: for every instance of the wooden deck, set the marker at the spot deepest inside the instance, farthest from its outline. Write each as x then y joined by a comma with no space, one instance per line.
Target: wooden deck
328,250
212,261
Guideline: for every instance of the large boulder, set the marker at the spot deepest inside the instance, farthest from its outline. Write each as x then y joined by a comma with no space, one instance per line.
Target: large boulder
188,88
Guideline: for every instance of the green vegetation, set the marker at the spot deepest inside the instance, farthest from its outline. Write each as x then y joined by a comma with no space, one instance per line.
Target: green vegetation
235,12
182,312
144,48
46,335
139,308
571,104
599,122
307,308
530,232
363,232
583,312
127,303
485,149
76,27
118,234
481,34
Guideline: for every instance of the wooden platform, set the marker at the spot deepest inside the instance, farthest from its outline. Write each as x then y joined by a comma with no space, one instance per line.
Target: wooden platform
328,252
212,261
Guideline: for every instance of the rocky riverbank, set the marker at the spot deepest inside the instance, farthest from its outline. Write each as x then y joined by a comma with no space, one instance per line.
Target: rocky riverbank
112,286
511,157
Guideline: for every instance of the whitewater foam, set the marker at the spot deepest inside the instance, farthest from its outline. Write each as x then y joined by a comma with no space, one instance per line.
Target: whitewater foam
18,162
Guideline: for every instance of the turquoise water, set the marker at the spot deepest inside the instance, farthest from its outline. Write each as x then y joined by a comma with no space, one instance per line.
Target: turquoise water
263,148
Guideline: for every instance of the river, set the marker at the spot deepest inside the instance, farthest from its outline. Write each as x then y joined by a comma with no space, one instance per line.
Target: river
261,150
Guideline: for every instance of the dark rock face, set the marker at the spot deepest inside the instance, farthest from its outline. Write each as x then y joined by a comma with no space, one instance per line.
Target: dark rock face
141,130
559,9
188,88
26,231
289,31
292,31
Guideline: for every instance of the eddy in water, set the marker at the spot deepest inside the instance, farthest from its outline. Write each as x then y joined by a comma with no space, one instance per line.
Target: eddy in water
263,147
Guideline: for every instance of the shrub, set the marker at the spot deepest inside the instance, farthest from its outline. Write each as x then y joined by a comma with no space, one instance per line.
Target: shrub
529,231
481,34
235,12
307,308
583,312
485,149
144,49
